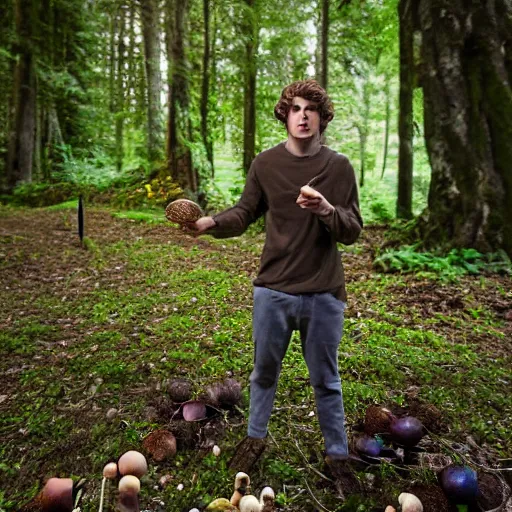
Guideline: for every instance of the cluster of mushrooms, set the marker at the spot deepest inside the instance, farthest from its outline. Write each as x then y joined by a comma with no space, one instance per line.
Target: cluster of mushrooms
458,482
60,494
242,500
63,494
386,437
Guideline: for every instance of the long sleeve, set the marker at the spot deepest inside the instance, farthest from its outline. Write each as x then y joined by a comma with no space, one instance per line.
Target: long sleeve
345,222
234,221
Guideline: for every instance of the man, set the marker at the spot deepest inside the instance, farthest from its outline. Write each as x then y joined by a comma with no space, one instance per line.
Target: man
308,194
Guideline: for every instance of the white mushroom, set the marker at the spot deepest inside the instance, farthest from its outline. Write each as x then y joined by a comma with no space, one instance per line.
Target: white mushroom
410,503
129,484
250,503
242,483
267,500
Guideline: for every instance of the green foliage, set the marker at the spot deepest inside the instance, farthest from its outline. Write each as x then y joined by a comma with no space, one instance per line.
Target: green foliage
46,194
456,263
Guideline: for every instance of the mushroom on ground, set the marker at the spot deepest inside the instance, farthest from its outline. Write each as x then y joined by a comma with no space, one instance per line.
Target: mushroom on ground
250,503
267,500
128,501
132,463
193,410
57,495
242,483
160,445
221,505
109,473
410,503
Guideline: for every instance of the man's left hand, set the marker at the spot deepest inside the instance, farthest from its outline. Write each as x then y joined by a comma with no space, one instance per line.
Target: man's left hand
311,199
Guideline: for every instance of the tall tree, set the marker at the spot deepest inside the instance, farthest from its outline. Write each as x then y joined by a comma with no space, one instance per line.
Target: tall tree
205,85
387,120
251,47
467,75
179,154
119,95
23,111
405,118
150,15
325,43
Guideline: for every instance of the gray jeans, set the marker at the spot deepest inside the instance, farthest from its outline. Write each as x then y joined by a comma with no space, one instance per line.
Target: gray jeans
319,319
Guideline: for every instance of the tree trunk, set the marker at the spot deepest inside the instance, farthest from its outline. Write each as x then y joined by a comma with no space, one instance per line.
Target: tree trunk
364,129
251,45
112,67
131,82
405,117
119,116
467,55
151,32
363,137
325,42
179,130
207,140
386,129
22,137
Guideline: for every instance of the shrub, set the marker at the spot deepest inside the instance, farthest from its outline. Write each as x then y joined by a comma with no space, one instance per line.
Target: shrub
456,263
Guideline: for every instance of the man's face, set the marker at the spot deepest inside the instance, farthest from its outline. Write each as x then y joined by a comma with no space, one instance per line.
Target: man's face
303,119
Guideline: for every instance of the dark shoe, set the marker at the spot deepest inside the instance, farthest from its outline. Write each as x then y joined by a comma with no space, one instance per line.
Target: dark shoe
343,474
247,453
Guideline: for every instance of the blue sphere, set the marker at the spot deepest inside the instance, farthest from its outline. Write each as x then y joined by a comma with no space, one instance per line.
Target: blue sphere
459,483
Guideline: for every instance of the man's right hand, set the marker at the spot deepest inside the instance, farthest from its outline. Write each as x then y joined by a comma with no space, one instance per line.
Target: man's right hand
200,226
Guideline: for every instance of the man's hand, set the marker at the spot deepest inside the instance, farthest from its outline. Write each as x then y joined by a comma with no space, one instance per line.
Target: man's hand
312,200
200,226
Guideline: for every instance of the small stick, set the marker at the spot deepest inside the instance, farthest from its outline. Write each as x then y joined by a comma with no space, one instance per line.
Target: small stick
314,497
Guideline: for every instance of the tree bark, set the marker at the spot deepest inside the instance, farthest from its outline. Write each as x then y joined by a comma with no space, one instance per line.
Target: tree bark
251,45
466,54
386,128
179,130
119,115
151,33
364,129
22,137
205,89
405,118
325,43
112,62
131,83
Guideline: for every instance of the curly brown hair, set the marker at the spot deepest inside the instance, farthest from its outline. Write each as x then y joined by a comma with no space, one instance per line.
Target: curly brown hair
309,90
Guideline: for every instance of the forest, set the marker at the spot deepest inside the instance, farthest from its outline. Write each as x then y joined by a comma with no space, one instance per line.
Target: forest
112,109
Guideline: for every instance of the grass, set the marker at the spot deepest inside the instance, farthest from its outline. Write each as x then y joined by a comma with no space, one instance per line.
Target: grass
84,331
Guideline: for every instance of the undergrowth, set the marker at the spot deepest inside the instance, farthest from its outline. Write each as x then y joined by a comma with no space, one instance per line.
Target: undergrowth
456,263
84,331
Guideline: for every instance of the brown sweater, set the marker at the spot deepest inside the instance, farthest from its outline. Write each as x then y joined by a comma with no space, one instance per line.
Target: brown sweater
300,253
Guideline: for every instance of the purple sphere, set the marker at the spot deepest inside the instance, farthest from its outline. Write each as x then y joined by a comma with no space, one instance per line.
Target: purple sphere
459,483
406,431
368,446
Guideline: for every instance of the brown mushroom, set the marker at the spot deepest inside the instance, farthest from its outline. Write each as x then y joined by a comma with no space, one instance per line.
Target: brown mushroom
183,211
160,445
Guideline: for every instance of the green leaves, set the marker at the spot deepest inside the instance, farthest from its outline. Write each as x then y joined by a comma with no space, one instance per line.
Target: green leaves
456,263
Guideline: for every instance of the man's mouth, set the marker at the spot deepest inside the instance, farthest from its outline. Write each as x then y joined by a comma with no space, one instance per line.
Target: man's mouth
303,125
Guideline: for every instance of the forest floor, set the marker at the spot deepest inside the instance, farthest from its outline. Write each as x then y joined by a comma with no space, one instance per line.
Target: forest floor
88,330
